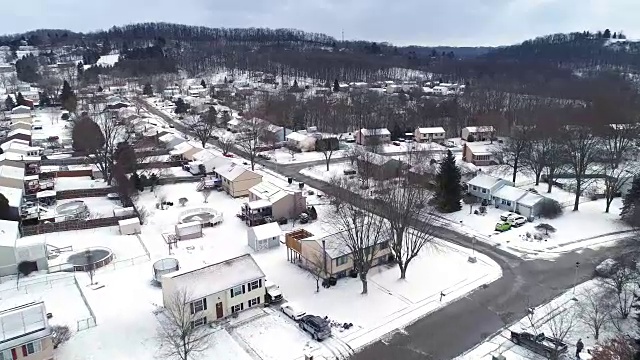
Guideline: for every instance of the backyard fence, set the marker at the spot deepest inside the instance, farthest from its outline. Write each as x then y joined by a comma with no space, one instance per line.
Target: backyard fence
84,324
71,225
82,193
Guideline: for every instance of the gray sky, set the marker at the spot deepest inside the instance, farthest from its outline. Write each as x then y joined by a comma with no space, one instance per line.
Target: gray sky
402,22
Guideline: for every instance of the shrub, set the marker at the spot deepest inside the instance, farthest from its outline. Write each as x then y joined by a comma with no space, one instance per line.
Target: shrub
550,209
59,335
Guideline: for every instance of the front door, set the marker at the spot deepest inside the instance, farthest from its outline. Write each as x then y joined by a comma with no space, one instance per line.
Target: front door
219,313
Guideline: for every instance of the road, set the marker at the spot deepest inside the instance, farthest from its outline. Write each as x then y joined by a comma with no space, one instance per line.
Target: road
452,330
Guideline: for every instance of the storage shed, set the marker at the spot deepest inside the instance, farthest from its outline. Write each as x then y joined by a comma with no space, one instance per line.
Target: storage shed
129,226
265,236
190,230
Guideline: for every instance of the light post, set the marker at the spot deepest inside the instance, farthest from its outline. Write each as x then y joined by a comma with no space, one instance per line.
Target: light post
575,281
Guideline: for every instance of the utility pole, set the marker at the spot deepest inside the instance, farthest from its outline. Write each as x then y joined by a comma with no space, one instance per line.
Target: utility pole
343,35
575,281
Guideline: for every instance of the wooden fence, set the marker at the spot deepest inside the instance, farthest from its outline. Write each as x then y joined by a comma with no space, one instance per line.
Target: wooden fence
71,225
81,193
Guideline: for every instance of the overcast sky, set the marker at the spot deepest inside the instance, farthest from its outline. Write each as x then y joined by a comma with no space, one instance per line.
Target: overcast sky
402,22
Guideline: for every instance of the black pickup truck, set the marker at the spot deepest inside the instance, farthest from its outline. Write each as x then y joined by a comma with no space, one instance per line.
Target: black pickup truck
550,348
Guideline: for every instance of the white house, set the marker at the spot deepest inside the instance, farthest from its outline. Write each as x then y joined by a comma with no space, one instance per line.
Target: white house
507,197
479,133
373,136
25,332
434,134
265,236
503,195
393,89
484,186
301,140
217,290
211,161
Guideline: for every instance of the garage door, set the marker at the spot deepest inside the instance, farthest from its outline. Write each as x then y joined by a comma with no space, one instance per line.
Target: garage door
524,211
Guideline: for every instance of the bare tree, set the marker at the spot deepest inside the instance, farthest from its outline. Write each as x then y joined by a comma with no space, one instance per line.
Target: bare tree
316,269
403,203
559,326
91,271
361,232
620,286
205,194
594,310
615,178
515,148
202,126
620,347
98,139
327,148
59,335
249,140
226,141
582,148
179,334
617,141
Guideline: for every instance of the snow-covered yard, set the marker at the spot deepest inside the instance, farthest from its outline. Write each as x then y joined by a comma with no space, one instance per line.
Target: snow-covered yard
284,156
79,182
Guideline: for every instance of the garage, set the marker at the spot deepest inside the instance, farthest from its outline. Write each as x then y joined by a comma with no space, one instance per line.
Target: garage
529,205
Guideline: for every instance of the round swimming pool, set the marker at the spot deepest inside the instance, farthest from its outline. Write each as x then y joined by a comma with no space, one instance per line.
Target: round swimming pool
88,259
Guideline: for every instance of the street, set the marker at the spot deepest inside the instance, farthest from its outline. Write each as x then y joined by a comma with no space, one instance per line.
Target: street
452,330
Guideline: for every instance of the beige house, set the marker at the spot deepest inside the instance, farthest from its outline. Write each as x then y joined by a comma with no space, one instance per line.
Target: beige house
21,117
236,180
217,290
25,333
373,136
328,252
429,134
12,177
479,154
22,125
185,151
286,202
478,133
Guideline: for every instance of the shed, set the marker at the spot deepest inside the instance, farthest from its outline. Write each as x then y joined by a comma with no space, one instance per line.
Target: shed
11,177
9,233
264,236
129,226
189,230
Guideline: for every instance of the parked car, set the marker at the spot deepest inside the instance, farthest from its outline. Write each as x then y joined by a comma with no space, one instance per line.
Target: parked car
505,215
516,220
503,226
396,143
228,155
304,218
273,295
316,326
540,344
292,311
532,190
607,268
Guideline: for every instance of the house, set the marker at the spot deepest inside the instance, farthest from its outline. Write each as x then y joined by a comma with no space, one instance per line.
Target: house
235,125
507,197
170,141
393,89
14,196
265,236
211,161
529,205
21,110
256,212
434,134
373,136
184,151
6,145
328,253
286,202
20,125
379,167
31,252
479,154
484,186
301,140
25,332
21,117
236,180
478,133
217,290
19,134
277,133
12,177
20,148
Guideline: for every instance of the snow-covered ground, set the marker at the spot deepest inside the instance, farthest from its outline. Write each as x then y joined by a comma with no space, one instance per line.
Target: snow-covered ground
79,182
336,169
559,315
108,60
284,156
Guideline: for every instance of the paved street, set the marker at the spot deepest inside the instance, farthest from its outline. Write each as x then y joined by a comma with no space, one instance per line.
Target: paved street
459,326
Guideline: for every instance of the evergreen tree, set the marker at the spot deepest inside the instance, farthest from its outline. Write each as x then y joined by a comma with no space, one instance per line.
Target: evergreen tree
606,34
615,35
9,103
181,106
100,89
68,97
448,188
336,86
295,84
20,100
203,84
45,100
147,90
327,84
630,211
80,70
225,79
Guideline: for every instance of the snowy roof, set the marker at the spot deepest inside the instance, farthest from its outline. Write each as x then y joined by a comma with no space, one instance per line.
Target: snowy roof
166,137
481,149
431,130
21,107
478,129
20,116
296,136
9,232
6,145
10,172
19,131
270,191
131,221
530,199
22,324
235,122
334,244
233,171
266,231
13,195
45,194
484,181
181,148
375,132
214,278
259,204
510,193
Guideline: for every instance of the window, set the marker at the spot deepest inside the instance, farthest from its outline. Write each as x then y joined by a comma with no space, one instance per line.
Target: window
384,245
6,355
238,290
484,191
33,347
199,322
475,188
236,308
255,284
254,302
342,260
198,305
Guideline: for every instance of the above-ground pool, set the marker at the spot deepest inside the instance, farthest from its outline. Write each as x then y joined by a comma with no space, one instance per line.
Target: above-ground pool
73,208
90,259
203,215
164,266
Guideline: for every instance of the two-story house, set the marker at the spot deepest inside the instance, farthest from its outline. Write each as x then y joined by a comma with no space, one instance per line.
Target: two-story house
25,333
218,290
478,133
427,134
373,136
503,195
479,154
484,186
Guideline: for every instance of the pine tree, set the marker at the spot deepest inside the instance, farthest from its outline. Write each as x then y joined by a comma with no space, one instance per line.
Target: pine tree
336,86
9,103
100,89
181,106
80,70
68,97
631,204
203,84
327,84
45,100
295,84
448,188
147,90
606,34
20,100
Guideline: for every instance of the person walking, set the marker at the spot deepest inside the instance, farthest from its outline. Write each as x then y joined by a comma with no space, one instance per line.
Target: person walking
579,347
